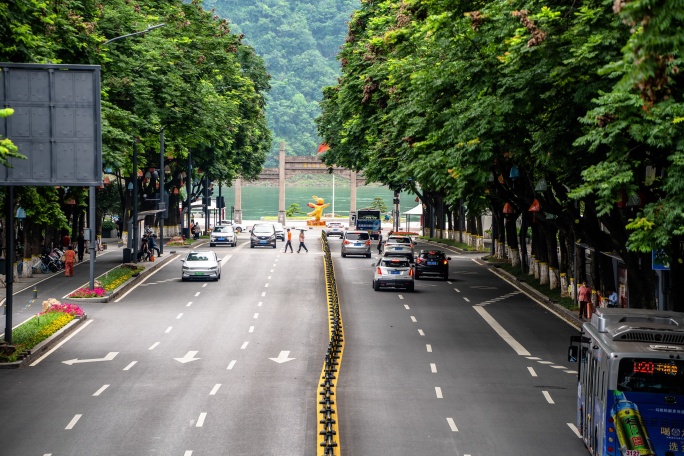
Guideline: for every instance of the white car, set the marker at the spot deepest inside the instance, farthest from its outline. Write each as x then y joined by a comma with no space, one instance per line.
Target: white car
334,229
201,264
280,231
399,243
223,234
238,227
393,273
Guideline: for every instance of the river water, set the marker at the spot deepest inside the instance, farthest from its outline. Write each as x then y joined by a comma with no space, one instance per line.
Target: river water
261,201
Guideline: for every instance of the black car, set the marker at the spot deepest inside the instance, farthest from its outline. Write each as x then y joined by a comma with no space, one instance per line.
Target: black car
432,263
263,235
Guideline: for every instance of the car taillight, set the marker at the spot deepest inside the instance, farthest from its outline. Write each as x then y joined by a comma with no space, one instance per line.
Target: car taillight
410,272
346,242
420,261
368,243
379,271
444,262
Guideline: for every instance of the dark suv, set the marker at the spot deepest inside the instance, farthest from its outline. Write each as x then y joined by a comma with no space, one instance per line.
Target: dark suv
433,263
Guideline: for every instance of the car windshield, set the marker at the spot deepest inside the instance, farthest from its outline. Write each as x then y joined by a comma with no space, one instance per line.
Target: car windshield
263,229
433,255
223,229
395,263
403,256
357,236
198,257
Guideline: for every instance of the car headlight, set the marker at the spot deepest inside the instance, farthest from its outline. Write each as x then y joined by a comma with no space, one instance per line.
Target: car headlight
213,268
254,238
272,237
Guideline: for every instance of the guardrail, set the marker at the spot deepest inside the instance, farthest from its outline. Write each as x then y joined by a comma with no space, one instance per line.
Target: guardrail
328,443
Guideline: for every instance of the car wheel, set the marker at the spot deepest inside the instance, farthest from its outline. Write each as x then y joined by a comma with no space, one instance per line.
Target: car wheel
251,246
274,246
376,286
344,255
410,287
211,245
368,255
182,279
417,276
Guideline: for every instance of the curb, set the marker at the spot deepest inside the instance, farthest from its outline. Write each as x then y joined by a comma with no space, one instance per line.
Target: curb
45,345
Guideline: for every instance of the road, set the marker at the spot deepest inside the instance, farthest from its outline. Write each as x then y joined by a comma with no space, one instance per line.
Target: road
465,367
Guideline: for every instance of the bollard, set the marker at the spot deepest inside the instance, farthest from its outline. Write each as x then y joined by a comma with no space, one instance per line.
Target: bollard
35,292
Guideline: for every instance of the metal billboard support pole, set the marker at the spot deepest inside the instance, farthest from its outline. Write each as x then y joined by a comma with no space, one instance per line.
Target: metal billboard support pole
162,200
9,262
92,234
135,201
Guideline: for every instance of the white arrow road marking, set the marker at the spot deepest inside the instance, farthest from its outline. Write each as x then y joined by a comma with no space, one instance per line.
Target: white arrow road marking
282,357
110,356
189,356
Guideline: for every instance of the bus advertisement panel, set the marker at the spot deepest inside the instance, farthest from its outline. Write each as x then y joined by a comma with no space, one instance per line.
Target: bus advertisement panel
369,220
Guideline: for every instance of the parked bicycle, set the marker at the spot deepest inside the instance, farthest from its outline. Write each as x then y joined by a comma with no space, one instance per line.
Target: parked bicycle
37,264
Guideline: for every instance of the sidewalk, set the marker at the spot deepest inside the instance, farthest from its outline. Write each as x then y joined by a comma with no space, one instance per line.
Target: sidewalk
57,285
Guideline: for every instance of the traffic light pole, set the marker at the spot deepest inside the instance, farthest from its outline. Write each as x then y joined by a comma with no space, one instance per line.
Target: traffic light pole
207,203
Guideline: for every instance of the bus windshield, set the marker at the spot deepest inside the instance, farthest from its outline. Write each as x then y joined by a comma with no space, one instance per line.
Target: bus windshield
651,375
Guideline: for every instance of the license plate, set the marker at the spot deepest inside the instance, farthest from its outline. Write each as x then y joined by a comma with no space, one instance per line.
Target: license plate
220,239
398,248
262,242
199,273
357,244
432,263
395,272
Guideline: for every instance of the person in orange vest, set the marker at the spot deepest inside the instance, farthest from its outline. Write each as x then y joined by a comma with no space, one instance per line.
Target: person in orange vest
289,241
69,259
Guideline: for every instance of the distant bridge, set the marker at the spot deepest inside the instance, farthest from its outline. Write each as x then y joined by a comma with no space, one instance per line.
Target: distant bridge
306,165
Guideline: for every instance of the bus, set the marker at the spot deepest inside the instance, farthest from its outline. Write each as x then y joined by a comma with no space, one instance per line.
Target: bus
369,220
630,394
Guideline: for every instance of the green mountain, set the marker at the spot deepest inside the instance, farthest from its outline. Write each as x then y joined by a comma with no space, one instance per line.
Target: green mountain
299,41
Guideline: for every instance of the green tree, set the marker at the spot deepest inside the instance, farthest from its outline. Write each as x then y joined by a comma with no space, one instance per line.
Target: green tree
379,204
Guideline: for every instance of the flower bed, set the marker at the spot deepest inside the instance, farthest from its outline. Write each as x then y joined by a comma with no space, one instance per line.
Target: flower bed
108,282
54,316
178,241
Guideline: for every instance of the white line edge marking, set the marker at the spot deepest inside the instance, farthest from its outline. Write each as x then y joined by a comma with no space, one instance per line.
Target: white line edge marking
215,389
232,364
73,422
548,397
574,429
559,367
433,368
438,392
532,372
133,363
515,345
533,358
101,390
168,330
154,345
145,279
35,363
200,420
429,348
452,425
420,331
244,345
545,362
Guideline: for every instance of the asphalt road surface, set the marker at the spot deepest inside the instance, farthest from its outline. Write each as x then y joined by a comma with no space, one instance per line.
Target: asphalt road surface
465,367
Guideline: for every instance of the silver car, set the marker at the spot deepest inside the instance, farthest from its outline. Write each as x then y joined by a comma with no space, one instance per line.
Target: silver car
201,264
334,229
223,234
279,230
393,273
356,243
400,243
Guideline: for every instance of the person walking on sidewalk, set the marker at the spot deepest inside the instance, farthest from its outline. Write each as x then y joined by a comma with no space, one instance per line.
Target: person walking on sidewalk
301,242
289,241
380,243
153,245
69,259
80,242
584,297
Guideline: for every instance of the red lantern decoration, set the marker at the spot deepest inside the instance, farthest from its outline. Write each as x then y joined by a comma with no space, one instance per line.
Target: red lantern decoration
507,209
535,207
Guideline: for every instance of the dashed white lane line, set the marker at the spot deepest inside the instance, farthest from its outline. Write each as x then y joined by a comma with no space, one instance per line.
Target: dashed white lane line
187,453
548,397
466,299
438,392
457,290
266,286
533,358
178,317
232,364
133,363
198,293
574,429
532,372
401,296
545,362
260,304
407,307
251,329
433,368
271,271
429,348
168,330
215,389
200,420
274,265
73,422
244,345
452,425
203,286
515,345
263,293
449,282
570,372
154,345
256,315
559,367
188,304
101,390
413,319
420,331
269,277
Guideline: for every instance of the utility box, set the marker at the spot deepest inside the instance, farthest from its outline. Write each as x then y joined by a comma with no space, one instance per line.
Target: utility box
127,255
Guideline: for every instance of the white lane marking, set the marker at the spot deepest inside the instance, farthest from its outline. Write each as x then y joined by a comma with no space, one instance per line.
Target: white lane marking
449,282
438,392
244,345
574,429
168,330
429,348
178,317
407,307
83,325
559,367
401,296
133,363
256,315
420,331
545,362
268,278
47,454
215,389
73,422
263,293
145,279
198,293
533,358
200,420
188,304
232,364
251,329
271,270
570,372
452,425
433,368
457,290
101,390
188,453
260,304
154,345
204,285
274,265
519,349
266,286
548,397
413,319
532,372
466,299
